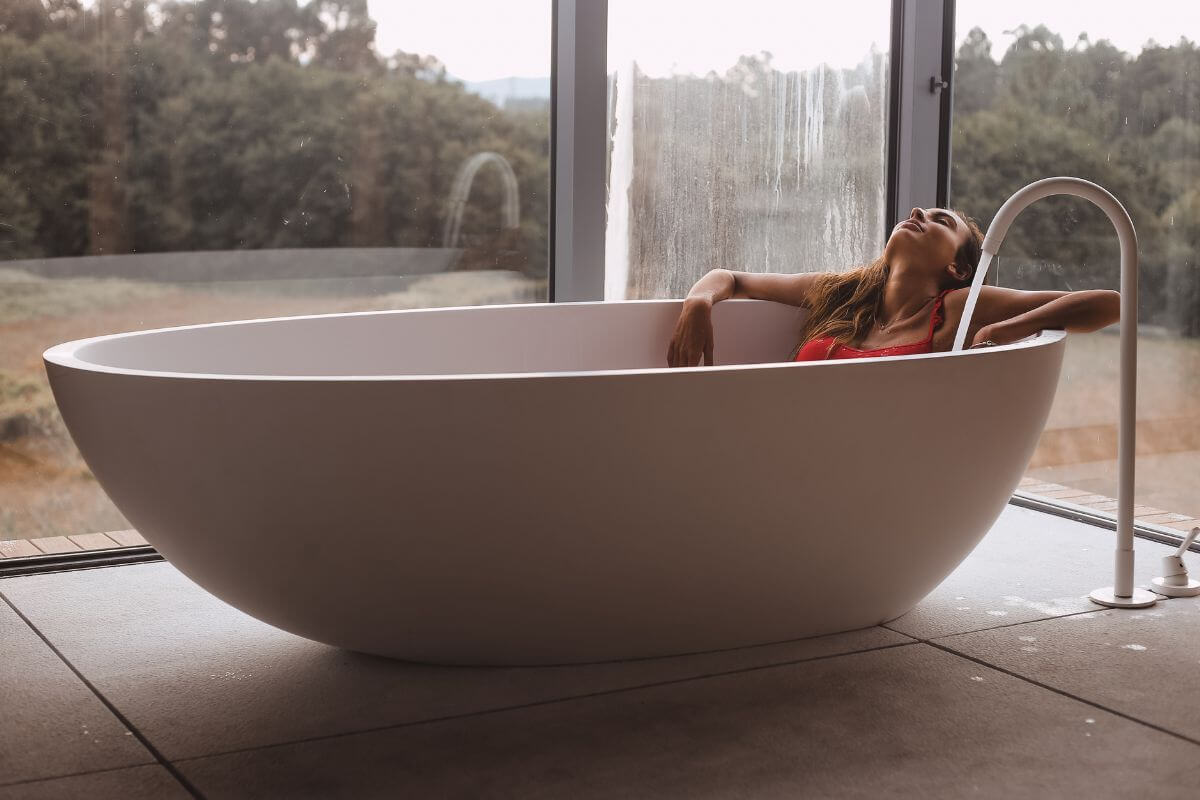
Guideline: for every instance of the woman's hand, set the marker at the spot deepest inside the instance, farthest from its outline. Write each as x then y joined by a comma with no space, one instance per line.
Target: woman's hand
996,334
693,336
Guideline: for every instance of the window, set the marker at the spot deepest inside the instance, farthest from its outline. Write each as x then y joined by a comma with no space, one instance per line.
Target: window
167,163
751,141
1113,98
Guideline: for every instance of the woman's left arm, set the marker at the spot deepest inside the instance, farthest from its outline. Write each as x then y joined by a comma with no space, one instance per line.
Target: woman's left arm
1010,314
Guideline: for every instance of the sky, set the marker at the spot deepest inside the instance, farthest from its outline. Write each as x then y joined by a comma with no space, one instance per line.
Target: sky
486,39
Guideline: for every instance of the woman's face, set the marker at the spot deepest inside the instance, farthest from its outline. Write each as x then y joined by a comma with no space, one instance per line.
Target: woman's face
929,237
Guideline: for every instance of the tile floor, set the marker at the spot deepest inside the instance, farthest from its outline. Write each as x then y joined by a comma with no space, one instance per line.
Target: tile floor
131,682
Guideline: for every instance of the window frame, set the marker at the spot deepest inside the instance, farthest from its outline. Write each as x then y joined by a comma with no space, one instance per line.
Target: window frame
578,114
919,120
918,168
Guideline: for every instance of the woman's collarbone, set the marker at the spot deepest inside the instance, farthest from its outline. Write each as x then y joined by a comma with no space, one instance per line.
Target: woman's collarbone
897,337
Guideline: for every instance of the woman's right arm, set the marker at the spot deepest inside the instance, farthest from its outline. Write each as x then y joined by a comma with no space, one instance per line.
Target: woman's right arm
723,284
693,337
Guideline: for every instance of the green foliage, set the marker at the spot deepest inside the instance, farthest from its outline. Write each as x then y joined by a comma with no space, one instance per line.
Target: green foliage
221,124
178,125
1131,125
47,145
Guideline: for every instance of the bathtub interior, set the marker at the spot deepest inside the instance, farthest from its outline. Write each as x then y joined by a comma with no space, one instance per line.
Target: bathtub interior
535,338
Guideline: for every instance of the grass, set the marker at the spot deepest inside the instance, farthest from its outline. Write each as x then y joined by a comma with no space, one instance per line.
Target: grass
24,296
1168,380
46,488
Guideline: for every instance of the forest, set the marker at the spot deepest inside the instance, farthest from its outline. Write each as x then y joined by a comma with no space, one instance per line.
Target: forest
1128,123
136,127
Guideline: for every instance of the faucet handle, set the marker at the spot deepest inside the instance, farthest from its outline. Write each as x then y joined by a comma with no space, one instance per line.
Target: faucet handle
1187,541
1174,581
1173,567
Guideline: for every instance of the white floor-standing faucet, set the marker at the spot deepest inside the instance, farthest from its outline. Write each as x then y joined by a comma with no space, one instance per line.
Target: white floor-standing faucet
1122,593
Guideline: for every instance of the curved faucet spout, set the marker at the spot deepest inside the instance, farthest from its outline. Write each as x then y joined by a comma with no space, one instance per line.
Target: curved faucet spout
1045,188
1121,593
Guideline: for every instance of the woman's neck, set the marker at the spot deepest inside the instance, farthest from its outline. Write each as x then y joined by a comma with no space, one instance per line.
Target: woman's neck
904,294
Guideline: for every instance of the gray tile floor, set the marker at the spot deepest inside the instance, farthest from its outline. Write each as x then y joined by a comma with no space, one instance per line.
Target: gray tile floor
131,682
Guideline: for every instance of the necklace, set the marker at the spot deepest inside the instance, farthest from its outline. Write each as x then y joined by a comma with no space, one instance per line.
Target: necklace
883,326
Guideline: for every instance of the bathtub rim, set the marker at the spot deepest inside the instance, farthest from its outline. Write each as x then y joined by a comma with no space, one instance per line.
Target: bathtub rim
64,354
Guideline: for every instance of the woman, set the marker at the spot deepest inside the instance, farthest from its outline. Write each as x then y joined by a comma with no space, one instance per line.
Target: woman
908,301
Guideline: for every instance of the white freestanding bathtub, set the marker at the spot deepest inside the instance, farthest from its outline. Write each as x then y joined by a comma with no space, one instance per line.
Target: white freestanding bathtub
529,484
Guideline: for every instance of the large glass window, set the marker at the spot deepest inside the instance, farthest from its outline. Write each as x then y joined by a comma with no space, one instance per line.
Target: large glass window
751,139
187,161
1112,97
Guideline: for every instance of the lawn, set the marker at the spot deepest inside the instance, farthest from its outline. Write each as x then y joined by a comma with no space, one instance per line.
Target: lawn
45,487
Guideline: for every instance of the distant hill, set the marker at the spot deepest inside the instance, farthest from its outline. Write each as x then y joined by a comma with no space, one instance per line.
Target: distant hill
501,90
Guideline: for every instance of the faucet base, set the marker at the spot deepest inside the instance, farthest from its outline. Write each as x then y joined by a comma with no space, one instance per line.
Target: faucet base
1107,597
1162,587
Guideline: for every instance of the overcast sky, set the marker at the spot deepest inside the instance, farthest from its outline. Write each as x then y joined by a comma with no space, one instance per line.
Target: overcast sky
483,39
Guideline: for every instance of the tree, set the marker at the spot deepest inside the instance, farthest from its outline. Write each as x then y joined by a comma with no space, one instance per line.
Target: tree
976,75
48,104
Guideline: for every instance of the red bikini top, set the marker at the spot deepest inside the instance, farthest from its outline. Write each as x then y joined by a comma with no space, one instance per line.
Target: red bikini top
827,348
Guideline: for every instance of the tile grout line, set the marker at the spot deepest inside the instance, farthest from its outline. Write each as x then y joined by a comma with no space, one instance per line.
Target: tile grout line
1041,685
551,701
159,757
1064,693
991,627
28,781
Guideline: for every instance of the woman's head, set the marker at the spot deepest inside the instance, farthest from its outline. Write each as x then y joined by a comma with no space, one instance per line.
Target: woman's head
945,242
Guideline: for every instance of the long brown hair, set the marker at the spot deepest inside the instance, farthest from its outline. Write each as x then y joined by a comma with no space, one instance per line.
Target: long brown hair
843,305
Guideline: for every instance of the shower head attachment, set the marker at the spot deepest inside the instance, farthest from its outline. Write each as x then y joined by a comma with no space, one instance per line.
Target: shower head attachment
1174,581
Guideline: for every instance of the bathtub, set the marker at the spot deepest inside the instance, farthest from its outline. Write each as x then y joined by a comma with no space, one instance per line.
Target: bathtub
529,484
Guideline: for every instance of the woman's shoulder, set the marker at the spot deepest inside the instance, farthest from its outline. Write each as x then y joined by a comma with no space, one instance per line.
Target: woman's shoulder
959,294
953,304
